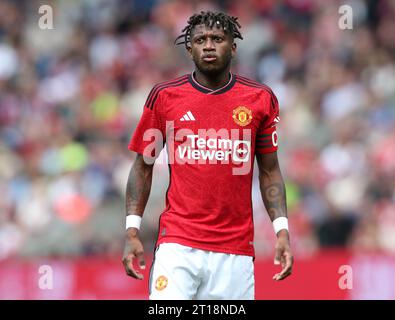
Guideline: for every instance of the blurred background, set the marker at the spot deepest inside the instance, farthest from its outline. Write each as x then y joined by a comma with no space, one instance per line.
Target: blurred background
71,96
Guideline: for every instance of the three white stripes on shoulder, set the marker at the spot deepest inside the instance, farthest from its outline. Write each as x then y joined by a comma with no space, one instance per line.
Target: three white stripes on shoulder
188,117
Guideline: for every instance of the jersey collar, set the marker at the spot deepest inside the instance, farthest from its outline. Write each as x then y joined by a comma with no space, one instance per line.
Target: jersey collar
201,88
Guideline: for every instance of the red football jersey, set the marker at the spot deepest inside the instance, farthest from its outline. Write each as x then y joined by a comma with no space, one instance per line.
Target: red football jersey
211,138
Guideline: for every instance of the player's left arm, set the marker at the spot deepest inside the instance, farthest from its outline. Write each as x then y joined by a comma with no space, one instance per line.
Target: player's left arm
274,197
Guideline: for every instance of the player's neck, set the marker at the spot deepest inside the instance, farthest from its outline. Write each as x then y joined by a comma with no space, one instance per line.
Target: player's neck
212,82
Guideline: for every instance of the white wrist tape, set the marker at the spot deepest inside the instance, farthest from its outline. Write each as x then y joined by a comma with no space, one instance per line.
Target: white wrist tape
280,224
133,221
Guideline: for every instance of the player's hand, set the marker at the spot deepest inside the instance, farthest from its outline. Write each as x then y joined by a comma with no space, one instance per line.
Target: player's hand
283,256
133,250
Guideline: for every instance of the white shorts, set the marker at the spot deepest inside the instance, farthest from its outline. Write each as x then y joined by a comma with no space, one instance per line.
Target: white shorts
184,273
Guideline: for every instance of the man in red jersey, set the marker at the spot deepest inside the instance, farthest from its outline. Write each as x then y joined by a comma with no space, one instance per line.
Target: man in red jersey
214,123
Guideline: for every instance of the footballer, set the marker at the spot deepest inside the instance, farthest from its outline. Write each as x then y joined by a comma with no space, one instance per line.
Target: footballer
213,123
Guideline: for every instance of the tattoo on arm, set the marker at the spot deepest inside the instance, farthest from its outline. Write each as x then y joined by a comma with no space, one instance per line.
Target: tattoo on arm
138,187
274,198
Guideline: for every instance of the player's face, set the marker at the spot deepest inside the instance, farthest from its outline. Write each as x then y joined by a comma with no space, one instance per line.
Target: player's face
211,49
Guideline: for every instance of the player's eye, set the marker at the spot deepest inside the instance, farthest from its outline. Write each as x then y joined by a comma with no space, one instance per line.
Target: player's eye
218,39
199,40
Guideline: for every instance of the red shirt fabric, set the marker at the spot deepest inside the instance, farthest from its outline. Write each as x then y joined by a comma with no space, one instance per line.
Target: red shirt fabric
211,137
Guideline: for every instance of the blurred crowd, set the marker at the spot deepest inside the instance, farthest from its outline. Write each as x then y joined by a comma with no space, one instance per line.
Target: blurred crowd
71,96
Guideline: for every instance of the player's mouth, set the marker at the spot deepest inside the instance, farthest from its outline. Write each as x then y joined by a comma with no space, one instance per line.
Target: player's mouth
209,58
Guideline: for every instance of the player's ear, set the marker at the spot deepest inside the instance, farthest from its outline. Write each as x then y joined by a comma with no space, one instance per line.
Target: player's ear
234,49
189,49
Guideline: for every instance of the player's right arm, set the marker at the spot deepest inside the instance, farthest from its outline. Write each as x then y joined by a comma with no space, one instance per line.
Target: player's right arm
147,142
137,192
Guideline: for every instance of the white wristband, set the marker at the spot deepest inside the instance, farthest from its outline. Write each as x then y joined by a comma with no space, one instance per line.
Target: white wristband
280,224
133,221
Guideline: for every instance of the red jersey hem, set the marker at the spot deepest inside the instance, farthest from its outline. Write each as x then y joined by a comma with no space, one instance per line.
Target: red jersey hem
134,148
138,150
198,245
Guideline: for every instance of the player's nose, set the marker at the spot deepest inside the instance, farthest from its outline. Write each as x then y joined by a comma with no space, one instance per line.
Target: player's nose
209,45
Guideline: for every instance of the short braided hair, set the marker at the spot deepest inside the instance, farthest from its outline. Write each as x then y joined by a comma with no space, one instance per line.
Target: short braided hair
209,18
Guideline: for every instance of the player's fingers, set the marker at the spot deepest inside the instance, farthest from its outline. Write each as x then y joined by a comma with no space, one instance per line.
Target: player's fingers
287,270
134,274
140,259
281,276
128,264
276,276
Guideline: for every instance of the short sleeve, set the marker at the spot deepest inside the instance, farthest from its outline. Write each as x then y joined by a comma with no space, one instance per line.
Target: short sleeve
149,137
266,137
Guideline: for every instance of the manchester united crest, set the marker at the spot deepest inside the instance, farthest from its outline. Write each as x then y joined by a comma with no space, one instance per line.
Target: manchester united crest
242,116
161,283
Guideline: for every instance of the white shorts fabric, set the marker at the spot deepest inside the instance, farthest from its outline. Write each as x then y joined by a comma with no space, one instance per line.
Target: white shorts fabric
183,273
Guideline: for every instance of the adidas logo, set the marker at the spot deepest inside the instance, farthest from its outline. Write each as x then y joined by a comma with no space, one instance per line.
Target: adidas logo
276,120
188,117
